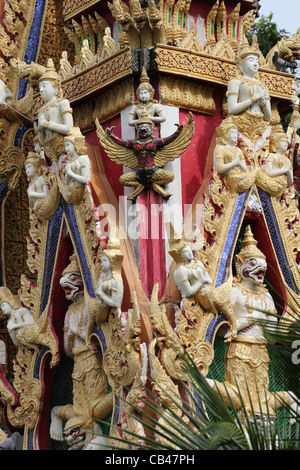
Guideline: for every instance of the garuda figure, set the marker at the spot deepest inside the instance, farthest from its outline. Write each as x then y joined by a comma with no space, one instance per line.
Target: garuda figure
146,155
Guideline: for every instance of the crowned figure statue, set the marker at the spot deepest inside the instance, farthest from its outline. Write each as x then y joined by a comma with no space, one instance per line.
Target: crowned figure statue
145,101
55,118
90,398
246,385
248,98
38,187
229,160
110,284
277,174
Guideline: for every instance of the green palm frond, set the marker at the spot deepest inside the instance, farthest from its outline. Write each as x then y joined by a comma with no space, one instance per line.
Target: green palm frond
204,421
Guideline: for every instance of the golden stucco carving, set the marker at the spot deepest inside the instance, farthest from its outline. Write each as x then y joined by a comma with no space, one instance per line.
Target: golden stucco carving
17,23
191,42
72,8
11,165
99,76
198,66
167,392
223,48
187,94
232,26
210,24
190,329
187,327
15,12
143,27
116,98
125,364
29,390
246,23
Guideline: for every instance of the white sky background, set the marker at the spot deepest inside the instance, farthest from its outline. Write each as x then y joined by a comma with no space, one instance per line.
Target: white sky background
286,13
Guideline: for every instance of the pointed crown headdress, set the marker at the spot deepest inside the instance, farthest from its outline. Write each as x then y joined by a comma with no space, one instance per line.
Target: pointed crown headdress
223,129
50,75
245,49
144,119
145,83
73,266
77,139
7,296
176,244
249,247
115,256
277,133
35,159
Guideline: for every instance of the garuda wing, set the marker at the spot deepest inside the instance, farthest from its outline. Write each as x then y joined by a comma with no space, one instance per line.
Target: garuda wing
115,151
174,149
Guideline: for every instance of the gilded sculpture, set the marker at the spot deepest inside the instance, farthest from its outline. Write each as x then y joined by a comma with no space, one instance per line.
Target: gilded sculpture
19,316
247,93
38,187
90,398
229,160
55,117
24,328
78,168
194,281
277,175
146,155
246,385
42,186
110,285
75,167
145,94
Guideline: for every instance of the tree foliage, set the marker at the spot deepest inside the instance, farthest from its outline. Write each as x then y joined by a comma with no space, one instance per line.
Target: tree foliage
267,33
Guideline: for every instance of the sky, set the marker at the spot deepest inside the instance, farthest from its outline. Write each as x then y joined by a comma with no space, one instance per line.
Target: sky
286,13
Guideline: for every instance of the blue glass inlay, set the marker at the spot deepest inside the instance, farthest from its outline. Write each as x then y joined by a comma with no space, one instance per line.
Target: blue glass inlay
3,193
33,42
276,238
30,439
37,365
231,237
100,334
211,329
50,256
20,134
72,222
117,411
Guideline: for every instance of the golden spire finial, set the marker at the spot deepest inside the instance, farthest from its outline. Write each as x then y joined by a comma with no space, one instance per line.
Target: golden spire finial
73,266
114,254
245,49
34,159
176,243
144,119
249,247
50,74
145,84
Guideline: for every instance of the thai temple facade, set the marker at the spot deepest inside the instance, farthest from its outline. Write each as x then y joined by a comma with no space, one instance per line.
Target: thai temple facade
148,189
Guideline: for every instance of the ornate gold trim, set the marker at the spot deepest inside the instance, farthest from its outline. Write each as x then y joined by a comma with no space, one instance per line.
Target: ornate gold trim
201,66
74,7
94,79
187,94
